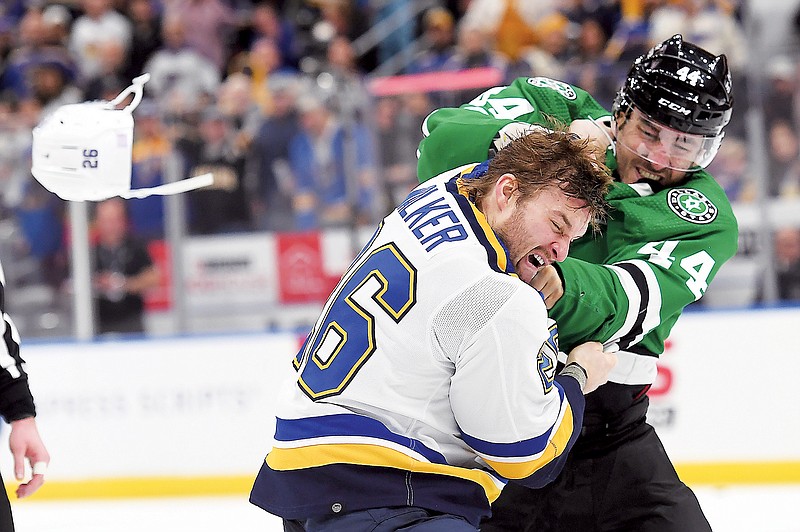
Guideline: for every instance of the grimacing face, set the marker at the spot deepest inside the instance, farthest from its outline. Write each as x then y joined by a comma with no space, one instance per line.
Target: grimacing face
538,231
650,152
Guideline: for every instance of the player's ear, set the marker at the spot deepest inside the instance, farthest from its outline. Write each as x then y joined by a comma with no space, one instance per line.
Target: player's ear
616,124
505,188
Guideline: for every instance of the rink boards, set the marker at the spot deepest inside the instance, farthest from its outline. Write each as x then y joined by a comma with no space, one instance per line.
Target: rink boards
194,415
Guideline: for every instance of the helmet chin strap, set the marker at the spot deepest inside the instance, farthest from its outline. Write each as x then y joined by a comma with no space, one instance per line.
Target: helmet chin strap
136,87
176,187
611,142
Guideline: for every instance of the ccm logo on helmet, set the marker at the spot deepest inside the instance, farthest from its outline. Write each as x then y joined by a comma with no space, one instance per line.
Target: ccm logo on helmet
674,106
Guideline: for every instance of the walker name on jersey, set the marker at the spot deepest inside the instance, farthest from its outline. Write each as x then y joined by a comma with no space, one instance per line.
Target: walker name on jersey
431,218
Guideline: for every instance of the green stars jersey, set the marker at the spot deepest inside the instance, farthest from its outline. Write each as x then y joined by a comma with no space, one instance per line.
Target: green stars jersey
657,253
465,134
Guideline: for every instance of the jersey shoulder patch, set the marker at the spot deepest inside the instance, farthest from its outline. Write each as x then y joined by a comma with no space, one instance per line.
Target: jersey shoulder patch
564,89
691,205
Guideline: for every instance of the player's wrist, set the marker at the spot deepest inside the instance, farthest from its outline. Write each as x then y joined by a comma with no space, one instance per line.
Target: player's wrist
577,372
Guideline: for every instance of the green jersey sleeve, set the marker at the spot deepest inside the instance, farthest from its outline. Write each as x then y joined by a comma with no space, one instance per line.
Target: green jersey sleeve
658,254
462,135
658,251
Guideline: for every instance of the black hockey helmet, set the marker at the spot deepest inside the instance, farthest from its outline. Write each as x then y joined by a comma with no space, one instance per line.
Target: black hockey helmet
681,86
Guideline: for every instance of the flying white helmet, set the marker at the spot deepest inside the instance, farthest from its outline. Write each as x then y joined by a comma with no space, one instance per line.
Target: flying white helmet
82,151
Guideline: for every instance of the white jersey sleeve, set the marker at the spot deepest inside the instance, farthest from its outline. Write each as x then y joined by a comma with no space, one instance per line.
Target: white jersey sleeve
503,394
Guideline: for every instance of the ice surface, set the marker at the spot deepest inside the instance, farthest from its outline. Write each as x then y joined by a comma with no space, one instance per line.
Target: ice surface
729,509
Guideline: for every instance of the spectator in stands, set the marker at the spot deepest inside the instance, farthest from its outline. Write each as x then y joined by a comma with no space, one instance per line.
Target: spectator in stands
402,37
262,61
235,101
630,36
40,215
12,10
222,207
123,271
784,160
151,151
396,139
179,75
333,169
268,177
782,90
474,49
787,263
547,58
7,39
268,23
58,23
438,36
51,86
342,81
510,22
415,107
708,23
99,26
343,18
212,24
111,77
589,68
33,51
146,34
730,169
15,146
605,14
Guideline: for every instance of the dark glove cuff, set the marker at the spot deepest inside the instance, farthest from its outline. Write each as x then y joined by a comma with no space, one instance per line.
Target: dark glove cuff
577,372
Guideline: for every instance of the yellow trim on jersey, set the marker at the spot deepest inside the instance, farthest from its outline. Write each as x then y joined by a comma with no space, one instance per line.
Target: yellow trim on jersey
488,233
130,488
694,474
373,455
736,473
555,447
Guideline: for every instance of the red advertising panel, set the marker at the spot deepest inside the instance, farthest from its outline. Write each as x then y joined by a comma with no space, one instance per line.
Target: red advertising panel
302,278
160,297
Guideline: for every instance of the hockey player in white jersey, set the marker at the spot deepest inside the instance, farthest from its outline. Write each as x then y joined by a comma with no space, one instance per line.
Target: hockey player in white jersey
428,380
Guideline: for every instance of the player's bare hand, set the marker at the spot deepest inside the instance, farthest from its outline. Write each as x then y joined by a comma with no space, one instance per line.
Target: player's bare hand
548,283
26,444
597,363
598,132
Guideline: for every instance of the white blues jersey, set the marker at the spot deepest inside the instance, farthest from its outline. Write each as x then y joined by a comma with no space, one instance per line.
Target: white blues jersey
429,378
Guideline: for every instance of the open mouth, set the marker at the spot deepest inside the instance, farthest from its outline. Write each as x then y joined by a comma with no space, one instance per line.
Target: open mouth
649,175
536,260
649,178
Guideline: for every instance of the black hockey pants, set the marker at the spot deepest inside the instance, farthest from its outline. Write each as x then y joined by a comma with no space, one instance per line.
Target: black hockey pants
630,487
6,521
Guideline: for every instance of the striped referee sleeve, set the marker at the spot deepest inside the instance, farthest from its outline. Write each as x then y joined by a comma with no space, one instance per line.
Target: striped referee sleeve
16,401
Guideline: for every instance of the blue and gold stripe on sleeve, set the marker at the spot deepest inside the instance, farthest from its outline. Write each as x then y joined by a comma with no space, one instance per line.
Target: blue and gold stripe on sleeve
358,440
522,459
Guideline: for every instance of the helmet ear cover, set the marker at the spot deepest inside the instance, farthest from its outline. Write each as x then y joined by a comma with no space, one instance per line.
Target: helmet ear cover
681,86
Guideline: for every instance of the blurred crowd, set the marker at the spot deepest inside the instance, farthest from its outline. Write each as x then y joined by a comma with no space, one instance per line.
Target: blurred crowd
274,98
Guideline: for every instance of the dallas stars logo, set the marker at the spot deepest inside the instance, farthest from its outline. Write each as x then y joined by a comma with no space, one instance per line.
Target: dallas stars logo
691,205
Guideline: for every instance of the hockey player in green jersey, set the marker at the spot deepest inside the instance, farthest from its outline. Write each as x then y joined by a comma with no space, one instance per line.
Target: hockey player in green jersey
669,230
